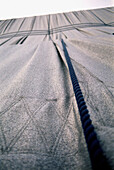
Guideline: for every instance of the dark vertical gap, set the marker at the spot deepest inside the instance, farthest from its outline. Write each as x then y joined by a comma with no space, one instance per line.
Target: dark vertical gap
7,25
13,20
49,27
23,40
75,14
21,24
32,25
33,22
2,25
19,40
97,17
57,20
14,35
74,26
85,15
18,31
67,18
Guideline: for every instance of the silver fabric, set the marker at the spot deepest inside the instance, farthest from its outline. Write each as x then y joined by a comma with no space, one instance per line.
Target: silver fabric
40,125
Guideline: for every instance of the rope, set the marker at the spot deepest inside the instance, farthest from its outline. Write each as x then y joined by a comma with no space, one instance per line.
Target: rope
98,160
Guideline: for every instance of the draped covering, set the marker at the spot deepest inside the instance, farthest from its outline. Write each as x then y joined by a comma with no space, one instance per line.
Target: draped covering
40,125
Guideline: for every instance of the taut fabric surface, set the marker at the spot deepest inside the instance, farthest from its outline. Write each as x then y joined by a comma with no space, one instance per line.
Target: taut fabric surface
40,127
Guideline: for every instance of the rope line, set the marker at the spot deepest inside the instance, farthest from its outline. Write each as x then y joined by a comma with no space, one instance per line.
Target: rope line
98,160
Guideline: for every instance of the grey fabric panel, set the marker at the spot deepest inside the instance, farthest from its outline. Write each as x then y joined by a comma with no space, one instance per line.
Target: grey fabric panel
40,125
89,17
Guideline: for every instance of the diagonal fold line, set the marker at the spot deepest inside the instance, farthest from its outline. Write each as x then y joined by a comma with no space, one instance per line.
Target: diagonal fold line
21,131
62,129
31,115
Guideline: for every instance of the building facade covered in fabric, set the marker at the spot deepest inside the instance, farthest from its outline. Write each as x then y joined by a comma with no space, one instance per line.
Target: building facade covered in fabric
40,125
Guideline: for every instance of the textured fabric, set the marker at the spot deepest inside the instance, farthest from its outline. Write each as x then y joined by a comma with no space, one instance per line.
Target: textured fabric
40,125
